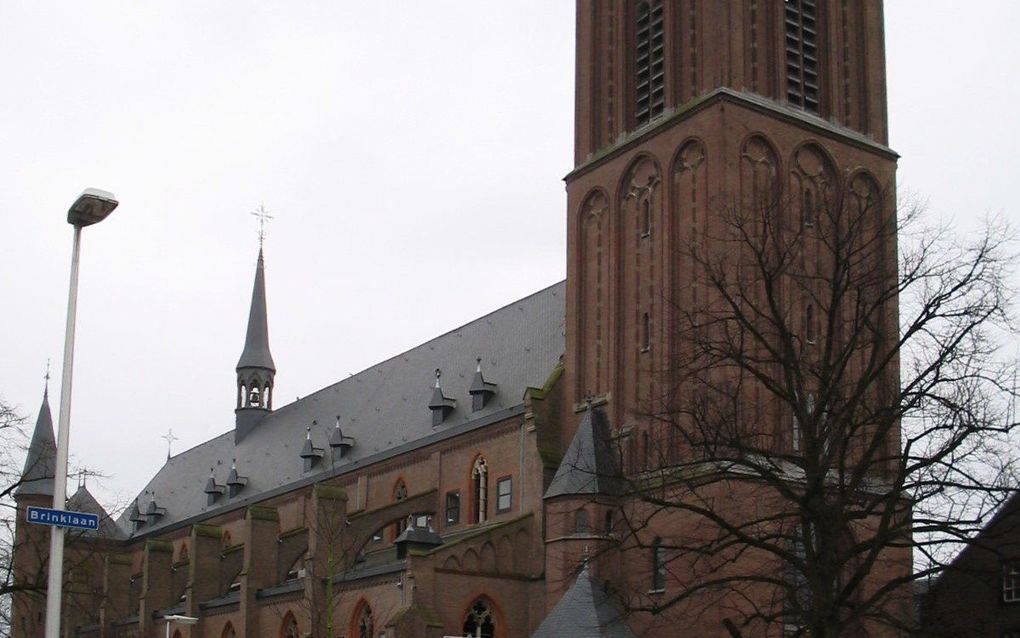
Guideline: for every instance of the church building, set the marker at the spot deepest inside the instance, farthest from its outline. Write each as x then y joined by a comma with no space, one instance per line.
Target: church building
483,483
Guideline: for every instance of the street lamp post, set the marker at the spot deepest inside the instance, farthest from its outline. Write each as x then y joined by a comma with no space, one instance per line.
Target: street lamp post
180,620
91,207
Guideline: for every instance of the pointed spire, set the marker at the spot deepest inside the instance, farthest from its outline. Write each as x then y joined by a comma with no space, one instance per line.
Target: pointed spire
40,463
255,369
256,343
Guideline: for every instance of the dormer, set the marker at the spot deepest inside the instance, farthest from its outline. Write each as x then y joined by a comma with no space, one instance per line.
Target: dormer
213,490
312,455
154,512
136,517
440,405
235,482
339,443
481,390
416,537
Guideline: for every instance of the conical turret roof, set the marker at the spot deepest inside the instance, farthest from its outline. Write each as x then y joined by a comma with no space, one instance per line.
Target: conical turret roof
41,461
256,343
585,611
83,501
589,466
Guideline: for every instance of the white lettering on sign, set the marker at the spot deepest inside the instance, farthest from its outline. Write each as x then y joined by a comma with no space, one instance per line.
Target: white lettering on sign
62,518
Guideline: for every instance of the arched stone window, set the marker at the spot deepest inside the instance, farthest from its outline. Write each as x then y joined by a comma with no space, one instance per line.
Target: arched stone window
364,624
183,556
480,489
479,622
289,628
228,632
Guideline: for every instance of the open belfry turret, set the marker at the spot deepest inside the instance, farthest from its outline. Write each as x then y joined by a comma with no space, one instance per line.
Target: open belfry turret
255,368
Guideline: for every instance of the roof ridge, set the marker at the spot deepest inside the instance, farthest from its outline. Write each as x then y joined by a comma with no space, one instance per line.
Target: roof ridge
424,343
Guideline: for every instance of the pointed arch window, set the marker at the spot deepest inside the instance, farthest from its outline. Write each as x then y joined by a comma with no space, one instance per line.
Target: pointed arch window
480,489
478,622
228,632
365,624
649,56
399,494
290,629
400,491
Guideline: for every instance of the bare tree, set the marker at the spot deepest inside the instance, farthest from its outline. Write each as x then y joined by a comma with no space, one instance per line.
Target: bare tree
833,414
12,438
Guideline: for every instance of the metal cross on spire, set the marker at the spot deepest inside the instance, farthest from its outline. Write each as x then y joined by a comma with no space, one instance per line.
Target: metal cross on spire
82,473
170,438
263,216
46,389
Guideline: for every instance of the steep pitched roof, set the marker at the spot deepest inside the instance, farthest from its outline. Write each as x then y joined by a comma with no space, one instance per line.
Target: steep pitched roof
83,501
256,343
384,411
40,463
585,611
589,466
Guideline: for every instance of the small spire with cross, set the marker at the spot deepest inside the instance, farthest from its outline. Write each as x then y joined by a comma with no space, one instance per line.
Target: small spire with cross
169,438
46,377
263,216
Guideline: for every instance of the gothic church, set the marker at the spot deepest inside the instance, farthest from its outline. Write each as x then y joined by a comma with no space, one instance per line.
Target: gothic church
478,484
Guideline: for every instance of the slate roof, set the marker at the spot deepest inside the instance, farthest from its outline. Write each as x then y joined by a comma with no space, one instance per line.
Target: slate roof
83,501
41,460
384,409
589,466
585,611
256,342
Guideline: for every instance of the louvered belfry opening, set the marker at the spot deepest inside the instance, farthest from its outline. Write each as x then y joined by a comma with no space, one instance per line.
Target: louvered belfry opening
649,74
802,54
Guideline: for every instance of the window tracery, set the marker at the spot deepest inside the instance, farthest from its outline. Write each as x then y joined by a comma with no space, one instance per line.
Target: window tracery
365,624
479,621
290,627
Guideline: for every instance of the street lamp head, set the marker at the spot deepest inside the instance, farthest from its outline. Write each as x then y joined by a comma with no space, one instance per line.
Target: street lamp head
91,207
181,620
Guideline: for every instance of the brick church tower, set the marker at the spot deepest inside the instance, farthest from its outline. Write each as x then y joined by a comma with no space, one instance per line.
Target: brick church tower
681,106
705,130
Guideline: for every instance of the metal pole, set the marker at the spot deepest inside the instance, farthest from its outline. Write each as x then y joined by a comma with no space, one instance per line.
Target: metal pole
167,628
56,565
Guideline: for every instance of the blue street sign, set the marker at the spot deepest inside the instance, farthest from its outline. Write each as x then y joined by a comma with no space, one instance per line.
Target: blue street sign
62,518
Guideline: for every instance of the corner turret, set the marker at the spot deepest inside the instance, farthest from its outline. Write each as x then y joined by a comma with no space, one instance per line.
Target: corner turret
40,463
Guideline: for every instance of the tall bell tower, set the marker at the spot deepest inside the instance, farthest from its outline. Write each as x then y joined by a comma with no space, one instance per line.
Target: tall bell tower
687,109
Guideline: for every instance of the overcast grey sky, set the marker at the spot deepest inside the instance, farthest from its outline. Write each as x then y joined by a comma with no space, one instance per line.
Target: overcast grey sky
411,152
